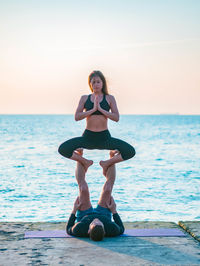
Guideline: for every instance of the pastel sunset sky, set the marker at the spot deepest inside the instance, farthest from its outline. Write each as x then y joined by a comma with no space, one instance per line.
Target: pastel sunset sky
149,51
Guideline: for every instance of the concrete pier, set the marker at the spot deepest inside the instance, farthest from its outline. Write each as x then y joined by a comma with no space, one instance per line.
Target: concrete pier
193,228
15,250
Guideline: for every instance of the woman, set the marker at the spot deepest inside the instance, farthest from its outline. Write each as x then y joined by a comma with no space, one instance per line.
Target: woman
95,108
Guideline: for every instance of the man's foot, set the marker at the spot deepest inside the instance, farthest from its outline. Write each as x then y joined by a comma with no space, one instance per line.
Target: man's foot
105,166
87,164
113,153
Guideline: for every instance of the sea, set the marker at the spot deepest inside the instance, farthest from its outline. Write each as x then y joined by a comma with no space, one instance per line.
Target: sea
161,183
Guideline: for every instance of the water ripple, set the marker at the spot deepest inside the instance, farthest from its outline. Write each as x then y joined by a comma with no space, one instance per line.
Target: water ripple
160,183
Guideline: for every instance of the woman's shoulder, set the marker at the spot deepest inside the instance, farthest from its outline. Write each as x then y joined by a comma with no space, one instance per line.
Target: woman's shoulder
110,98
84,97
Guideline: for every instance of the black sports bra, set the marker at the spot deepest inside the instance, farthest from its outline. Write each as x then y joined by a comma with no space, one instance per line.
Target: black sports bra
89,105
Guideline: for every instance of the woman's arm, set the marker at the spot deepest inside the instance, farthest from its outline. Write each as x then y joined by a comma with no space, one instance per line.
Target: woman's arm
114,114
79,115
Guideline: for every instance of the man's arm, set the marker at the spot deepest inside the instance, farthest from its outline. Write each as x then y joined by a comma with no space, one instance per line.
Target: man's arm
79,229
72,217
117,220
70,224
115,228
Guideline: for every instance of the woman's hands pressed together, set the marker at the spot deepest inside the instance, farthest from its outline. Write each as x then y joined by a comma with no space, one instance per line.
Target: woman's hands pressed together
96,103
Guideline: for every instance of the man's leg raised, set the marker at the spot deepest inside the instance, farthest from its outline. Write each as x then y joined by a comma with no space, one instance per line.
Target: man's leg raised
108,185
84,195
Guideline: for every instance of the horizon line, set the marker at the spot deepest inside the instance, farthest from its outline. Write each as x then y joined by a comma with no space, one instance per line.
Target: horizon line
176,113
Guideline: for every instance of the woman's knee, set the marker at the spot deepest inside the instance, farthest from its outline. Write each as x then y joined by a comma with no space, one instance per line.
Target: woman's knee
132,152
129,153
65,150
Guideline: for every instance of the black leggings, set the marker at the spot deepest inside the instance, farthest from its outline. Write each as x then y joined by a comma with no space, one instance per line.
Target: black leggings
96,140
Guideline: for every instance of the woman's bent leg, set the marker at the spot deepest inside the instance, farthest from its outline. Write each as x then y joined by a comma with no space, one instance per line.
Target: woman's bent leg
108,163
126,151
67,149
86,163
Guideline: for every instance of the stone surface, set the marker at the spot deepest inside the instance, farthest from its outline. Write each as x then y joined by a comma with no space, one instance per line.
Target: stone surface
15,250
192,227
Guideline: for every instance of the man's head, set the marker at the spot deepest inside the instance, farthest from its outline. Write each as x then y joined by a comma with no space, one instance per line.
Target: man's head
96,230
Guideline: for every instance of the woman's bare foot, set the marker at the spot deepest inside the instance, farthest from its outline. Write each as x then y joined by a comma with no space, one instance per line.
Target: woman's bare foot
87,164
77,156
105,166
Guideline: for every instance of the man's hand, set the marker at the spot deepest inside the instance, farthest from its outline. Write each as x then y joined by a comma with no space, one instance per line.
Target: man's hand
77,205
111,205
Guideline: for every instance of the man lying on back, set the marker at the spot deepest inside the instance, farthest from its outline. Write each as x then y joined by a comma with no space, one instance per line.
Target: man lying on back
95,222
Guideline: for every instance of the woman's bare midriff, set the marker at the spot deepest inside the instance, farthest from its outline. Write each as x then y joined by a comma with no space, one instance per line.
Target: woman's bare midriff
96,123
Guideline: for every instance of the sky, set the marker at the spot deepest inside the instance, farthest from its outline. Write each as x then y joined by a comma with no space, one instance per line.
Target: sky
148,50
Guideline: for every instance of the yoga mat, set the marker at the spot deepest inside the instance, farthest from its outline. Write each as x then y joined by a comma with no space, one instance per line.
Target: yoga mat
153,232
127,232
